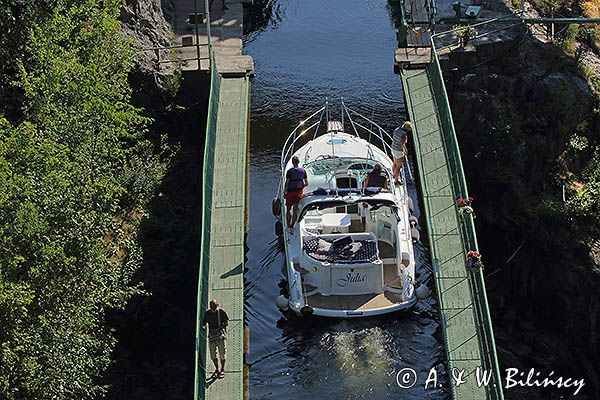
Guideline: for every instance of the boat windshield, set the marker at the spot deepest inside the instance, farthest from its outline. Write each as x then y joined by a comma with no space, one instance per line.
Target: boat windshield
341,174
334,164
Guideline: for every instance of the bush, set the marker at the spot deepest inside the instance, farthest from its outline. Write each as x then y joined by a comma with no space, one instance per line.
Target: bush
72,165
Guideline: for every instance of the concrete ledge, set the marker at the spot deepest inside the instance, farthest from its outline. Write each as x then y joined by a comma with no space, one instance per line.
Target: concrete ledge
236,65
411,58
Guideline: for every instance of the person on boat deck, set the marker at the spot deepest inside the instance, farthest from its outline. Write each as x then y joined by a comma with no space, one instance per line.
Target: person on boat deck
217,320
376,178
295,181
399,147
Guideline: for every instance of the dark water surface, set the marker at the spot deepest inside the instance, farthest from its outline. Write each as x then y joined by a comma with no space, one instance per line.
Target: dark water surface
312,49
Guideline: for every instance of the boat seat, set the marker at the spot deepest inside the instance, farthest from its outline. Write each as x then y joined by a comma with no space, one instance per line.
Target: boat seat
313,231
341,249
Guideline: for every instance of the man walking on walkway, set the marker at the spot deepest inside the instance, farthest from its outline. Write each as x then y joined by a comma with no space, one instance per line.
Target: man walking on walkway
217,320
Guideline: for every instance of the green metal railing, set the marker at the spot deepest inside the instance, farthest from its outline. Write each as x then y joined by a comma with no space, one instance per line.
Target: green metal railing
468,234
402,33
479,304
482,316
207,191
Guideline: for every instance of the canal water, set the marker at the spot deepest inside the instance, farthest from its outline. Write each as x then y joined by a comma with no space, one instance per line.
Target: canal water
305,51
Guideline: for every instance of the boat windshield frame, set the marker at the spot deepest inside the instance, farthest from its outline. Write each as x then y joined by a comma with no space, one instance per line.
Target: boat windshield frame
359,160
329,202
375,132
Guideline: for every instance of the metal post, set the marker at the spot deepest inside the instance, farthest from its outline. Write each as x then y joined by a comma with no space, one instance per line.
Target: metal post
522,8
196,29
343,115
207,8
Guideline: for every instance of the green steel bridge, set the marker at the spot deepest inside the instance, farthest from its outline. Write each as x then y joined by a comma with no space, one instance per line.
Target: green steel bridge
464,311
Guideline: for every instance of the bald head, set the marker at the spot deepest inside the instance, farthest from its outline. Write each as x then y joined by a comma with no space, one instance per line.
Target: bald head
214,304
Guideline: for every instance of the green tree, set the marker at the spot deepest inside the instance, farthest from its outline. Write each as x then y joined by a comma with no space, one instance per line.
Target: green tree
71,168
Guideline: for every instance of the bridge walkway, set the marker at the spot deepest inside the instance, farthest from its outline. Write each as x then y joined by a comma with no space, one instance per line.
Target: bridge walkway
449,253
224,227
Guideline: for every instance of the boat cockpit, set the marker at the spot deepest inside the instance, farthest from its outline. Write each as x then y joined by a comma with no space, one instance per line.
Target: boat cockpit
351,246
335,173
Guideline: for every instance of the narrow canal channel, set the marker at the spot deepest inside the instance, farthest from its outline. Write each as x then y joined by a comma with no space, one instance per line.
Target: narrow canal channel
309,50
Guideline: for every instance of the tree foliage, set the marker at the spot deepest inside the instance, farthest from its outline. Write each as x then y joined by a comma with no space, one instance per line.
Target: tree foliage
74,163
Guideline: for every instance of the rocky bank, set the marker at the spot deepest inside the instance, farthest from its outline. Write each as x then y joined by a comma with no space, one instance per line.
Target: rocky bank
515,115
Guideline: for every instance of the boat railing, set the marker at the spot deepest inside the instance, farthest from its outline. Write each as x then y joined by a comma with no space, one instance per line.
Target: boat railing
356,120
380,134
288,146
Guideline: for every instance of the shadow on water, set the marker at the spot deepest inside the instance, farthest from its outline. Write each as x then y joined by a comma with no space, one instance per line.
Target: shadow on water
154,357
261,15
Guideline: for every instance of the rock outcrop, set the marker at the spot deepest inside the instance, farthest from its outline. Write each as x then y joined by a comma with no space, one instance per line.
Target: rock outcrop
514,116
153,82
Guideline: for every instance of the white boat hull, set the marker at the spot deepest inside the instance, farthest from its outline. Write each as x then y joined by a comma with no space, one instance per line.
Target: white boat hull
351,254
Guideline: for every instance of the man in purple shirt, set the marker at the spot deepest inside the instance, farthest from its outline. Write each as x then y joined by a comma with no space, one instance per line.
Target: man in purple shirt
295,181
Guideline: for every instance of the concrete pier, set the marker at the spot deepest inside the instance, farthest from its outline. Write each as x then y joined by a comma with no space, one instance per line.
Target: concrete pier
226,28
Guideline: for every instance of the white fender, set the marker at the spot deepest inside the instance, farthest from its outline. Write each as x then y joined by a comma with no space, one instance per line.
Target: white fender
415,234
282,303
422,292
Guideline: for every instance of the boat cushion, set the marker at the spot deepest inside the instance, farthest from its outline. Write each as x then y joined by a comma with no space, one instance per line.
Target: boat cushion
358,251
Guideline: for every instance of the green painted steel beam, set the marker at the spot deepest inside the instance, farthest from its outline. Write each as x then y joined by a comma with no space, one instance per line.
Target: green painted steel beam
226,259
447,250
515,20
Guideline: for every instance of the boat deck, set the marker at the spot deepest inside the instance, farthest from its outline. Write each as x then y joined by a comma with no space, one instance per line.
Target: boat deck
386,250
354,302
390,276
